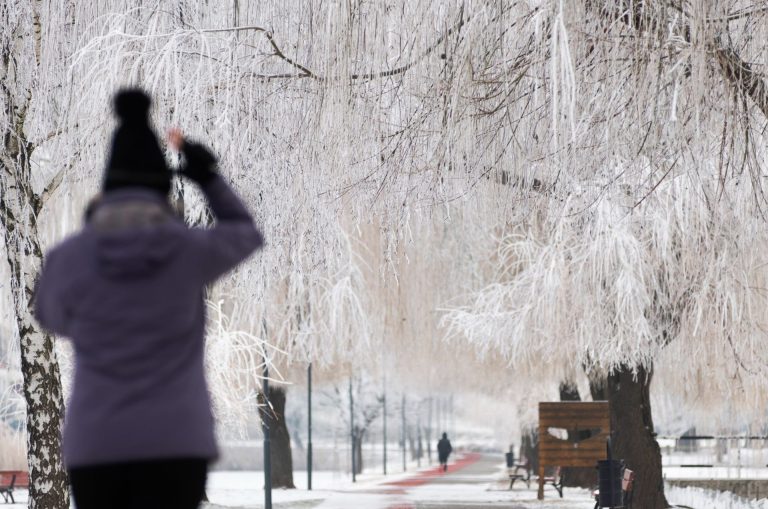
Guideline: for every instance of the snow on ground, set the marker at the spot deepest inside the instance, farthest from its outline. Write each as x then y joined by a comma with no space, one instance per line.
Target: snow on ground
706,499
483,487
472,482
674,472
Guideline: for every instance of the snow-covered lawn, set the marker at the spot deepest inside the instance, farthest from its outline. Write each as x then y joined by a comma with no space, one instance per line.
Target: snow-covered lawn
707,499
459,489
336,491
673,472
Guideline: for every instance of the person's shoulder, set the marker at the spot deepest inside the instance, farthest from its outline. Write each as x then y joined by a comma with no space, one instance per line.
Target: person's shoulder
70,246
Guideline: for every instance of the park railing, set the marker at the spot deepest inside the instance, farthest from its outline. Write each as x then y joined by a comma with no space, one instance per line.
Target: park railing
716,457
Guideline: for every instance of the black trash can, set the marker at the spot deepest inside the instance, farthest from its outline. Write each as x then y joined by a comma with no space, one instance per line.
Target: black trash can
609,473
510,459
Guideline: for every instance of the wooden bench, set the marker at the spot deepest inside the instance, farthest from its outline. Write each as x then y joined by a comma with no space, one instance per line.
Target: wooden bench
515,475
555,480
11,480
513,470
627,485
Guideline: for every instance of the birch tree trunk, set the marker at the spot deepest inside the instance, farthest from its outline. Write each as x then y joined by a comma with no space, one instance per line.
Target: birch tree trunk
19,208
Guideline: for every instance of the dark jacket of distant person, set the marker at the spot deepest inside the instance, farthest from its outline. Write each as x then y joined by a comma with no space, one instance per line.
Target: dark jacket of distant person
128,291
444,448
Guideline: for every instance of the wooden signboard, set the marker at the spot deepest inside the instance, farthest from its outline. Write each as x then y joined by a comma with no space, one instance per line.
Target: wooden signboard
572,434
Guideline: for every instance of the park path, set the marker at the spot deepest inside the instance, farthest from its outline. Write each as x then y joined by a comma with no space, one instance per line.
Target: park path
473,481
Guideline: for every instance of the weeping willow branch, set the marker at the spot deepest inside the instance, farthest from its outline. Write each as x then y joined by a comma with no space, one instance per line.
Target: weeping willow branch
306,73
405,68
738,72
743,78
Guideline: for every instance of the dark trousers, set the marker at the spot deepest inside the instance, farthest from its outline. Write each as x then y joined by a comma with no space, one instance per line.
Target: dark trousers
154,484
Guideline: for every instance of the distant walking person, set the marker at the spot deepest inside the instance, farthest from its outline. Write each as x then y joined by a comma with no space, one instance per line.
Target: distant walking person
128,291
444,450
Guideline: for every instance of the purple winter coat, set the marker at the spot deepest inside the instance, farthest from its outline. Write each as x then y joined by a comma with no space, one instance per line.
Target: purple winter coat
128,291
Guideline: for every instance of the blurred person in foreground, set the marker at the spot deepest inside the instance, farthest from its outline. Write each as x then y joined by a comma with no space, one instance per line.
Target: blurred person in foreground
128,291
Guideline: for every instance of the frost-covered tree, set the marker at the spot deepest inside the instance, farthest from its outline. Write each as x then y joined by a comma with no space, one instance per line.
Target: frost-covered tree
359,406
325,115
642,227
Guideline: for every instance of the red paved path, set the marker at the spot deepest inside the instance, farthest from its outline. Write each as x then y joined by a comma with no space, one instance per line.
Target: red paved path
426,476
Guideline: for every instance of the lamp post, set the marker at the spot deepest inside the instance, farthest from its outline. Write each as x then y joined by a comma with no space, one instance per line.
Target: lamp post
404,430
352,429
384,424
265,428
267,450
309,426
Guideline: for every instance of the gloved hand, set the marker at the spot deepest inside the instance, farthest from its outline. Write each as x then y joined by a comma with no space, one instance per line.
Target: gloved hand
200,163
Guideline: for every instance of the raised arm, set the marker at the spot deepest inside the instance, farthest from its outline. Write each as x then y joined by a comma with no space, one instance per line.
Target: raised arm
234,237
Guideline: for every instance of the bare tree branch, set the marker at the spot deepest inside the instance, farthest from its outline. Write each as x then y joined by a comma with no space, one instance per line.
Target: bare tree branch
307,73
51,188
742,77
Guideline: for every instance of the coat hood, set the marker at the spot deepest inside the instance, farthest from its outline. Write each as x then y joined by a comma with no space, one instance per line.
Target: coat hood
135,234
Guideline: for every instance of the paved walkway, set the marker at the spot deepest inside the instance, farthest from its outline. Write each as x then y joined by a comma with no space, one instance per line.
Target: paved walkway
472,482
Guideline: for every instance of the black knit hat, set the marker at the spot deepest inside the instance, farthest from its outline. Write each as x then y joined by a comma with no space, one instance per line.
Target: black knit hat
136,159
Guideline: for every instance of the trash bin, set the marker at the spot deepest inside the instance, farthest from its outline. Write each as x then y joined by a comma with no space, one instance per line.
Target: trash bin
609,483
510,459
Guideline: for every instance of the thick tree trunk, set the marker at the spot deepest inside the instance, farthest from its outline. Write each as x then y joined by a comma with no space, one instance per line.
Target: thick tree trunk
576,477
633,435
49,486
280,452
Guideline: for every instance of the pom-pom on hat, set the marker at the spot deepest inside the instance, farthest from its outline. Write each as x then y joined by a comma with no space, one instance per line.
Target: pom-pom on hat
136,159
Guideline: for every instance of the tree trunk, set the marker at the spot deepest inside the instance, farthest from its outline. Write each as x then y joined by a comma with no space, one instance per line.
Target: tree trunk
19,207
358,452
419,445
576,477
49,485
412,445
633,437
529,449
598,387
280,440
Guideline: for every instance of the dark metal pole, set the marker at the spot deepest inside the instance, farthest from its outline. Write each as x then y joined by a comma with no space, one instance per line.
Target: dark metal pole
352,429
440,416
404,431
267,451
418,436
452,423
309,426
384,424
429,431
